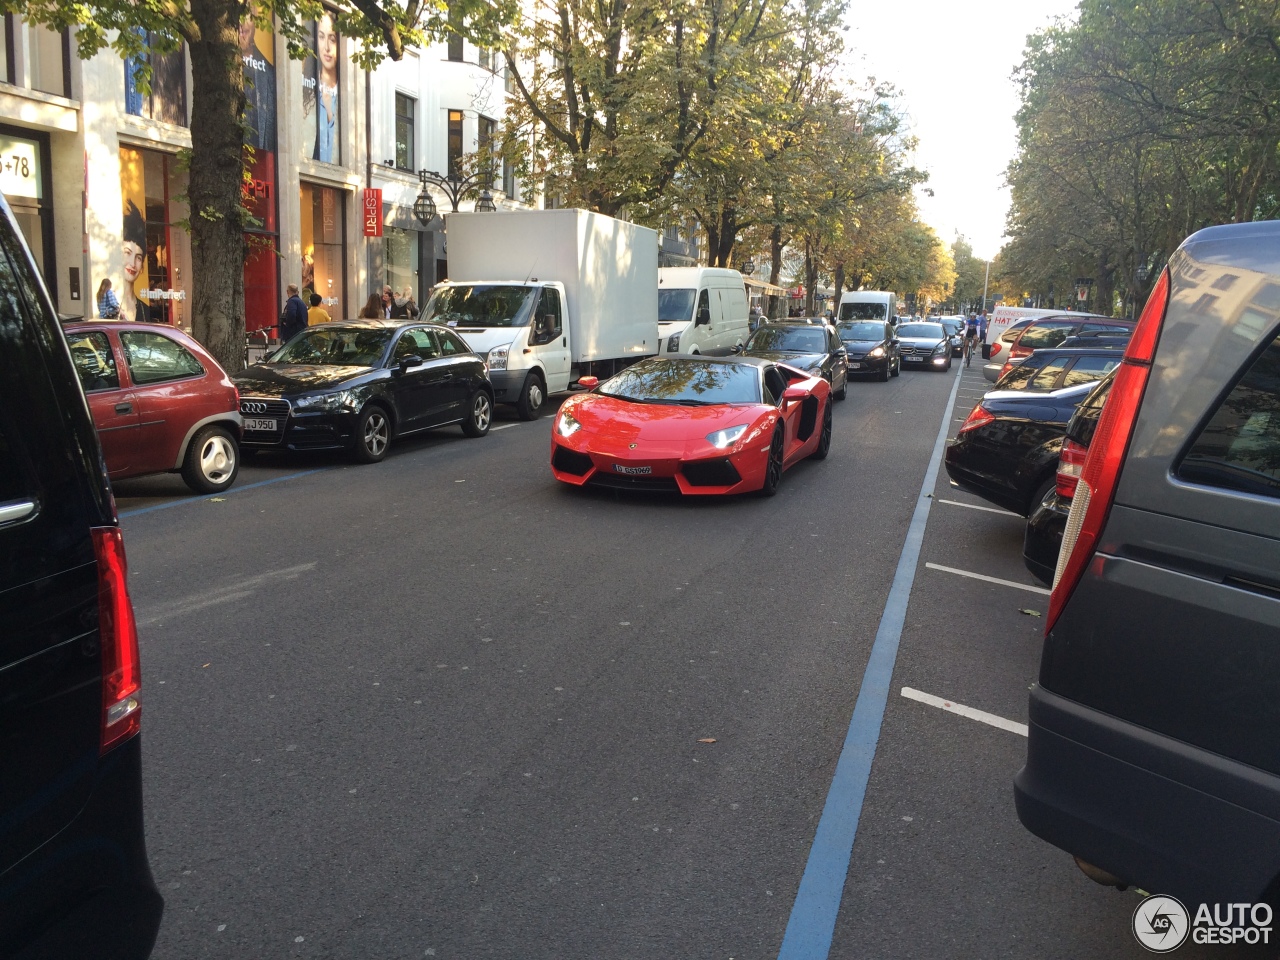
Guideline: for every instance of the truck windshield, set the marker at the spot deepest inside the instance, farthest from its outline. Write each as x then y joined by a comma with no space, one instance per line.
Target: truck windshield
481,305
675,305
864,311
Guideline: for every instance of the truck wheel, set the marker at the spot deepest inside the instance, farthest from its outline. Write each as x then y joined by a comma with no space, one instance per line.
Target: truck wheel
533,396
478,416
212,460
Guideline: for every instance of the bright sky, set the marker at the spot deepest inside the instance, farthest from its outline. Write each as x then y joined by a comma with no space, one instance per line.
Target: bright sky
953,61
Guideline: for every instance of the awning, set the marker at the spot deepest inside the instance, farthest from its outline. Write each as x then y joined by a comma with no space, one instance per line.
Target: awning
760,286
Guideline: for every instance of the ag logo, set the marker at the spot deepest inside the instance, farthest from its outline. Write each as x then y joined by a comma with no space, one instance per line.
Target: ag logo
1161,924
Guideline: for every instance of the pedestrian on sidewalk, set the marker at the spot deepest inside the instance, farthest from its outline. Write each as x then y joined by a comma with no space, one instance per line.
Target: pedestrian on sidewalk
108,302
317,313
372,310
293,319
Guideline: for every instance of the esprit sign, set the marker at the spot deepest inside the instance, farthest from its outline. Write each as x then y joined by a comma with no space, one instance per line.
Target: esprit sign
372,212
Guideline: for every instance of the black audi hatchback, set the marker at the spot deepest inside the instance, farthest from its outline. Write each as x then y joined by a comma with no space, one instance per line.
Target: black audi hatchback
1153,753
357,385
74,877
871,347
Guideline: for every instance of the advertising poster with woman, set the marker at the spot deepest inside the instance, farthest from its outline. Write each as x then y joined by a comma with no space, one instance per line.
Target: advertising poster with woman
133,236
257,50
321,109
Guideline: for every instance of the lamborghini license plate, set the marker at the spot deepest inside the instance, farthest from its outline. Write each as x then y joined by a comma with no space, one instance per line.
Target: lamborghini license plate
633,471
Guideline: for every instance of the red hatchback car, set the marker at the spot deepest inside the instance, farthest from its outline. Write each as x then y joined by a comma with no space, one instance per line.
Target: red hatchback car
159,401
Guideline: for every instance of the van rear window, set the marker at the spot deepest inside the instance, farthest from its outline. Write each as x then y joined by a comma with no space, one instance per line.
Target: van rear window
1239,448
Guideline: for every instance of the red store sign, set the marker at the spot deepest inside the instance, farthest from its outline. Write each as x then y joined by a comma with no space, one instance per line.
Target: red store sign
372,212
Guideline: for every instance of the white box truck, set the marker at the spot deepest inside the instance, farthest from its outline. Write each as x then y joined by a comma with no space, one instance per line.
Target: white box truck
549,296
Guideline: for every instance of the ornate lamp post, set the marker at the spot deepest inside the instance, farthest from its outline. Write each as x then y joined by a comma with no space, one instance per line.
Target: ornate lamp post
455,188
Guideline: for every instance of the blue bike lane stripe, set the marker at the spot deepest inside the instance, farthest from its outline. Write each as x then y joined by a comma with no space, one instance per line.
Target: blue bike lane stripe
226,493
813,915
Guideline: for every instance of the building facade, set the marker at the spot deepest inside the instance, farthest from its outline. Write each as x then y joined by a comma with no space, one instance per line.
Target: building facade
90,162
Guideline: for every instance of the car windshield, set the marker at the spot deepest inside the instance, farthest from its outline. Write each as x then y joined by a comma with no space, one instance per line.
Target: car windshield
864,311
675,305
337,345
920,331
789,339
481,305
950,326
861,331
686,381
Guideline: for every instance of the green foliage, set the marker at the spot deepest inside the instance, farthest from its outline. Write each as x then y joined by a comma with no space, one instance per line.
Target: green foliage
1141,123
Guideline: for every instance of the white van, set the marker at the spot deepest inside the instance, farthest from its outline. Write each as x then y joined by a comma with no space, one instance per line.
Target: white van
868,305
701,310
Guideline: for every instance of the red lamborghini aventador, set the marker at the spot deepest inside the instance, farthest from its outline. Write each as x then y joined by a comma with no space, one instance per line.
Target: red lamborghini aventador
692,424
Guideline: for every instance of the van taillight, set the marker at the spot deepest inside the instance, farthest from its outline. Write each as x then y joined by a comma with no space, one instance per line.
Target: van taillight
1100,473
995,348
1070,462
121,673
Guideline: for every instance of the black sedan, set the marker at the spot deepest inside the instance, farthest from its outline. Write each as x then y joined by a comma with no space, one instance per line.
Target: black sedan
1048,519
357,385
955,331
924,344
1007,449
872,348
812,347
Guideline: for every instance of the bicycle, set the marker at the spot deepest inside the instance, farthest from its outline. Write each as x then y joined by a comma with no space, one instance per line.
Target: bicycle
256,350
970,344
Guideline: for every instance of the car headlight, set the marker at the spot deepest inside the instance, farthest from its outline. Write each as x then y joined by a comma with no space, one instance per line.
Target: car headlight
877,352
673,343
498,358
726,437
942,347
566,424
326,402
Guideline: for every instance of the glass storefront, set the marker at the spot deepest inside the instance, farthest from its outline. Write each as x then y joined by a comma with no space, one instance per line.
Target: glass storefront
400,261
24,182
156,251
261,265
324,253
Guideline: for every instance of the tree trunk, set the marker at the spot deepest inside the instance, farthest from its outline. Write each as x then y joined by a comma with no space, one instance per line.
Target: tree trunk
728,237
775,267
1105,289
810,279
216,180
839,285
712,226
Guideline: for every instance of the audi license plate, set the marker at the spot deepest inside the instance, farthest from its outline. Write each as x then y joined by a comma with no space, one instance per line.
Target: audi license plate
633,471
266,426
855,366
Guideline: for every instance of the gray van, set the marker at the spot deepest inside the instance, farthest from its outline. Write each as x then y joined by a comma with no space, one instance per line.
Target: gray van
1154,743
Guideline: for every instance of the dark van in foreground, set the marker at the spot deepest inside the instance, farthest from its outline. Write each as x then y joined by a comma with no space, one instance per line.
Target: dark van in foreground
74,878
1154,745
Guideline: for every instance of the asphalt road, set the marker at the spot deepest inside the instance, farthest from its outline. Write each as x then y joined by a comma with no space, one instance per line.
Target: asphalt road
442,706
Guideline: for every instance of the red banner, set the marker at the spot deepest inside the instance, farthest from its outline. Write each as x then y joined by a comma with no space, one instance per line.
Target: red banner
372,212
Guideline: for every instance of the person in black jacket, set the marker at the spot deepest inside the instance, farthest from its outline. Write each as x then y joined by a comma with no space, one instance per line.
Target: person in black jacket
293,319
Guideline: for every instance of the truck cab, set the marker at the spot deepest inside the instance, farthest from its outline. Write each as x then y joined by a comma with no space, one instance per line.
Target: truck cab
701,310
520,329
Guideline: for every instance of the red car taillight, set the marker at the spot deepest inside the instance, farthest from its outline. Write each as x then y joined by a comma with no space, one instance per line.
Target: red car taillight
1100,473
121,672
978,417
1070,462
995,348
1019,351
1005,369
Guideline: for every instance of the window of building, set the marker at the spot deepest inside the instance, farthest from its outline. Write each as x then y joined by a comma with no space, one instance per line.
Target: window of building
155,249
406,111
400,255
455,34
508,78
485,144
1239,448
49,63
486,58
455,143
323,246
6,48
508,178
166,100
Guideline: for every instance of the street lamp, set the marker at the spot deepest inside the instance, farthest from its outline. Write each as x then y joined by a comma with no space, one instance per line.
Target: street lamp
455,188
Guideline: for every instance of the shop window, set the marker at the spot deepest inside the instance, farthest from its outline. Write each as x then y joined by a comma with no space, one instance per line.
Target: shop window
155,248
400,253
406,115
166,100
323,246
49,63
455,143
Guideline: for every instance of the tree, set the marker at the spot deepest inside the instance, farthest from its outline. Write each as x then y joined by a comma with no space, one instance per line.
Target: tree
210,29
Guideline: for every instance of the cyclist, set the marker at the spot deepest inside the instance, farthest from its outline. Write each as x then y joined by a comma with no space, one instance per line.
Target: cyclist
970,337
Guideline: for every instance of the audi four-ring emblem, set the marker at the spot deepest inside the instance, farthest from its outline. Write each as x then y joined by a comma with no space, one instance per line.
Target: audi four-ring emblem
253,406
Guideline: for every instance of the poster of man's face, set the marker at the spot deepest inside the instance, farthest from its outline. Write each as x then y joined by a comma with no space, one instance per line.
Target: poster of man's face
257,50
322,112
